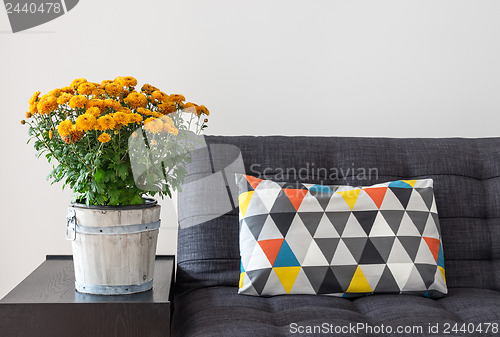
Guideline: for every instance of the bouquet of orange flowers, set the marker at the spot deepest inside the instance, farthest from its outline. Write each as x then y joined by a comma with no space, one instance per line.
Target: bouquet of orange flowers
86,128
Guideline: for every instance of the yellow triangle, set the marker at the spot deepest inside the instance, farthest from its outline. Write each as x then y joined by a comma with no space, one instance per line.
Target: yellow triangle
410,182
350,196
441,269
359,284
287,276
244,200
242,277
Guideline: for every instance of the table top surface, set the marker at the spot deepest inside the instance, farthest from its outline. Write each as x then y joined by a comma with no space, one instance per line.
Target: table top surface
54,282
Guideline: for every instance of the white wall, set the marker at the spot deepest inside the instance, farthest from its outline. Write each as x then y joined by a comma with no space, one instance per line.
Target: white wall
352,68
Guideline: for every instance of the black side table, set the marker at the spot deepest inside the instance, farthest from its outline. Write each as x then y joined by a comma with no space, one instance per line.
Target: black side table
46,304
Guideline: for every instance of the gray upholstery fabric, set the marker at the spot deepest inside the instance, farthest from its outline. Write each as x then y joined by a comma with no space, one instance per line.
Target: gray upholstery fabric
220,311
466,175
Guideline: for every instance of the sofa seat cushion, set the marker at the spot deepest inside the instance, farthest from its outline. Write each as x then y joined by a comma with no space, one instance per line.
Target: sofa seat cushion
220,311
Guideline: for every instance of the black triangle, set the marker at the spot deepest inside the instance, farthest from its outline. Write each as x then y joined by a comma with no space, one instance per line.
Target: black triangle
419,219
255,223
427,272
339,220
355,246
249,187
316,275
427,195
330,284
371,255
411,245
393,218
344,275
311,220
403,194
282,204
283,221
387,283
366,219
328,246
259,278
383,245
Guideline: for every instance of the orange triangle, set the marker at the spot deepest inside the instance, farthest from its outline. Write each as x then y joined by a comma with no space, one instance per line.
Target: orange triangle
433,246
377,194
253,181
271,248
295,196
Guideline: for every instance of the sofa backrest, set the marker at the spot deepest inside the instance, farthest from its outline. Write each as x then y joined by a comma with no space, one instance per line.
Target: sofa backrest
466,175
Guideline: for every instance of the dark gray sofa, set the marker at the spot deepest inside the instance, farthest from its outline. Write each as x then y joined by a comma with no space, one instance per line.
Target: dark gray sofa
466,175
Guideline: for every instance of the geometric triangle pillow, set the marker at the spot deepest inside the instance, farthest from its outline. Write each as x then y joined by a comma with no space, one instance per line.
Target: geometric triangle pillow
339,240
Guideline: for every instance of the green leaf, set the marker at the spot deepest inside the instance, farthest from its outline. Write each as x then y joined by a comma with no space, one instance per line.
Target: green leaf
122,170
99,175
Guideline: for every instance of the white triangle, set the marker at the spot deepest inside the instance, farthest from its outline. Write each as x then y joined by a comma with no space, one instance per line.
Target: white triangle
380,227
298,238
353,229
424,254
433,207
258,260
256,206
423,183
415,282
302,285
398,254
247,288
247,244
270,231
326,229
416,203
342,256
439,283
400,272
430,229
267,193
310,204
364,202
391,202
407,227
314,256
273,285
373,273
337,203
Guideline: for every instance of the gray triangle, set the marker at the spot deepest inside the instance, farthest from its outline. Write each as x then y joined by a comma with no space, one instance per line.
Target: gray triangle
411,245
355,246
282,204
70,4
387,283
311,220
427,195
316,275
435,217
383,245
428,272
393,218
419,219
323,198
259,278
344,275
328,246
339,220
256,223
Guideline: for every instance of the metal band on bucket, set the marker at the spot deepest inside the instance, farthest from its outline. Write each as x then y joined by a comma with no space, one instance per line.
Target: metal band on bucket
128,229
113,290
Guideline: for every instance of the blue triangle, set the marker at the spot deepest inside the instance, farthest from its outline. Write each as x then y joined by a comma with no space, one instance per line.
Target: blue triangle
320,188
286,258
242,270
400,184
427,294
440,261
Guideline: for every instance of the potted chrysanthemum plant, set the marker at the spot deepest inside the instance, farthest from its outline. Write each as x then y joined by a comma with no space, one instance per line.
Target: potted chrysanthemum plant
114,145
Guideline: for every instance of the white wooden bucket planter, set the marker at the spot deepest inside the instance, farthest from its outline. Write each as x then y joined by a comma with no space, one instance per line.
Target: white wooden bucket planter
114,247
